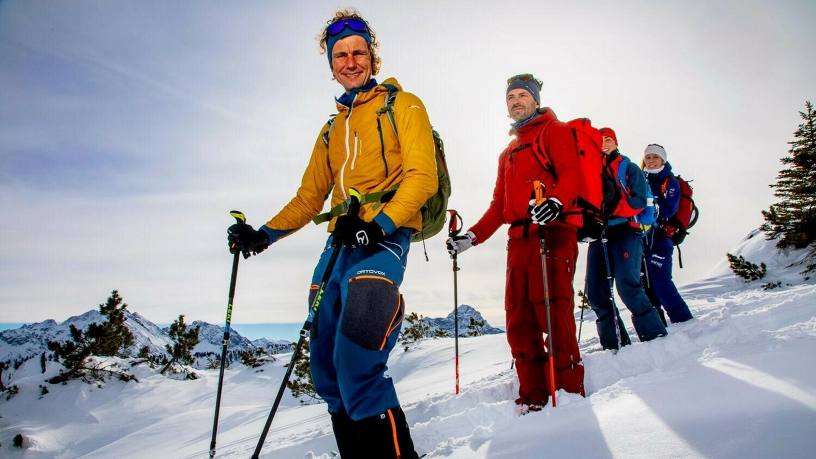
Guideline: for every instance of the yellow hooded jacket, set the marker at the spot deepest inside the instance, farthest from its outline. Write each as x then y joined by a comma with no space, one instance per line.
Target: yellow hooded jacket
357,158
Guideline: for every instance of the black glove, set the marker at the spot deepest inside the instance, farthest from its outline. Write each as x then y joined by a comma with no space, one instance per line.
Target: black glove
458,244
243,238
545,212
354,231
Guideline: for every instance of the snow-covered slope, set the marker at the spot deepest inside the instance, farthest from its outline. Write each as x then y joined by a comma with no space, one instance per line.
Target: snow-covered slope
736,382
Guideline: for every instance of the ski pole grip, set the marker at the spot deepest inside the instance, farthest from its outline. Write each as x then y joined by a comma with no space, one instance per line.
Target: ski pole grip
354,202
239,216
539,192
455,223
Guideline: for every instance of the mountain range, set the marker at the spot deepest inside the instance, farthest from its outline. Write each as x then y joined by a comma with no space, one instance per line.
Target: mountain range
20,344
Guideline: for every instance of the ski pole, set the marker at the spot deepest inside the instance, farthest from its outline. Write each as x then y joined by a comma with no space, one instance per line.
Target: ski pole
239,216
539,198
581,323
611,291
454,227
353,209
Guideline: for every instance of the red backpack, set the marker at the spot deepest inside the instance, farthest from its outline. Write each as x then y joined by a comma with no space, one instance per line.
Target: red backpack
678,225
597,193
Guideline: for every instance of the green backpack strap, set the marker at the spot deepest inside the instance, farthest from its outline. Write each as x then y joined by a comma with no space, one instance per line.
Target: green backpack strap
377,196
388,108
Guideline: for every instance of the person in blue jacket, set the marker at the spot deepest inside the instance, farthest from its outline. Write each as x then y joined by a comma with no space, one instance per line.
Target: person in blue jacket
615,258
658,246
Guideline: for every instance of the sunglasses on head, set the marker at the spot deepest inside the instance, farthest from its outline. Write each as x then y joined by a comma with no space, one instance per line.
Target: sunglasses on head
357,25
525,77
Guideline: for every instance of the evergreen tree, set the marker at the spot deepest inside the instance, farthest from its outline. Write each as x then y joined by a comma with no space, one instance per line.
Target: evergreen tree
110,338
255,358
441,333
584,300
416,330
745,269
301,384
793,218
474,328
184,340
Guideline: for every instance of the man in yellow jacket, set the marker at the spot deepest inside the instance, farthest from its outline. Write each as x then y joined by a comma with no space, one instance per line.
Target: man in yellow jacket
361,309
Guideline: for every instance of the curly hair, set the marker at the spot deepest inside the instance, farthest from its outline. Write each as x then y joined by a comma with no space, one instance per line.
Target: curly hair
372,47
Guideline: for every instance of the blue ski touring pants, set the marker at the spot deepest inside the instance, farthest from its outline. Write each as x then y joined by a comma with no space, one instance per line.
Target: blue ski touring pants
356,325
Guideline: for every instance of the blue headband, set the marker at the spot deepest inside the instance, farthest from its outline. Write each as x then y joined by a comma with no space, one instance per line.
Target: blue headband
346,32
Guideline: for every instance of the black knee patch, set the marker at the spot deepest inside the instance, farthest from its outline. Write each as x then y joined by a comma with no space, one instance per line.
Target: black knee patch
373,310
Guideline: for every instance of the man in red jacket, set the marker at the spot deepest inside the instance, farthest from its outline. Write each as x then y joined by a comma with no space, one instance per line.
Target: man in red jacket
542,153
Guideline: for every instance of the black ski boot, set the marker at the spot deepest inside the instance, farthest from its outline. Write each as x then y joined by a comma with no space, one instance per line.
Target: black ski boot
386,436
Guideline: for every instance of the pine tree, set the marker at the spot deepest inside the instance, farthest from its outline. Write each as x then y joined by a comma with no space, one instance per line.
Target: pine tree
745,269
441,333
255,358
584,300
474,328
184,340
112,337
301,384
109,338
793,218
416,330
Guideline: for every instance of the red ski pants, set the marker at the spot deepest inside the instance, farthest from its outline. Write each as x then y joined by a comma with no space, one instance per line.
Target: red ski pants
526,312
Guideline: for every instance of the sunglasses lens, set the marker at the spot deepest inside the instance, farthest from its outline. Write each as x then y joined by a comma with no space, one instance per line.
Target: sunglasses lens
354,24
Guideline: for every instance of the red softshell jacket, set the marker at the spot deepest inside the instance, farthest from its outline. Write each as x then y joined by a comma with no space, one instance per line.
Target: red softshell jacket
519,169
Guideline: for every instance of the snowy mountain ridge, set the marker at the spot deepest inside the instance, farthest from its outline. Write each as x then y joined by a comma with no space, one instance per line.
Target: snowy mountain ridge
465,313
32,340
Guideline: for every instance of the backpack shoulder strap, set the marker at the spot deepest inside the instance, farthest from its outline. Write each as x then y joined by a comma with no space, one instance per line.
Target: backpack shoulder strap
388,108
621,178
328,130
540,153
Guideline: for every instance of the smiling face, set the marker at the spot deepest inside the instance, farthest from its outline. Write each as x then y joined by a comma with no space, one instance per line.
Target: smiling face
520,104
609,145
652,161
351,62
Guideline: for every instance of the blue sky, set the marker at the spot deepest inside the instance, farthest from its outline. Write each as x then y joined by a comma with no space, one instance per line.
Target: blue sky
130,129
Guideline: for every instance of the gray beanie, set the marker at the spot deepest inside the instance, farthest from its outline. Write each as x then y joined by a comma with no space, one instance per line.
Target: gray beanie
530,86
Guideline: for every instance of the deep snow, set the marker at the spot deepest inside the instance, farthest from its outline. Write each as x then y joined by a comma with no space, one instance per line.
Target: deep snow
738,381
